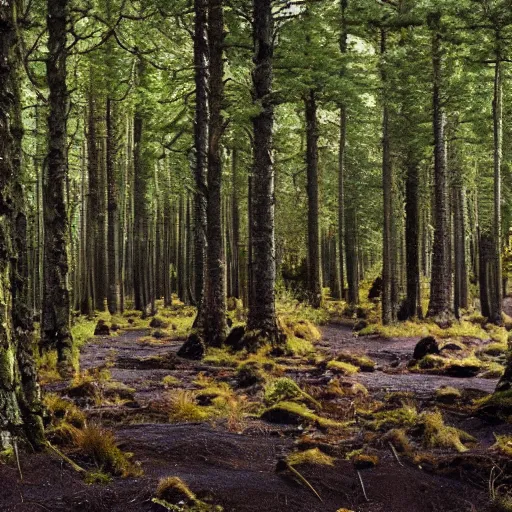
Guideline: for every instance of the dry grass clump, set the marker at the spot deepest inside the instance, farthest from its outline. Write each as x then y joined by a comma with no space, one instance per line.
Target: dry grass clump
402,417
297,413
173,494
183,407
285,389
63,410
503,444
312,456
341,367
438,435
99,445
362,361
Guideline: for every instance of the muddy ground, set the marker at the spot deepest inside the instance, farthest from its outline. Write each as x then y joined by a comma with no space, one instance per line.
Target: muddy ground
237,469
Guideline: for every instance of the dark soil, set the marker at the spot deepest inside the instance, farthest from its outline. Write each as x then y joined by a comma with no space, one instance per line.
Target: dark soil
237,470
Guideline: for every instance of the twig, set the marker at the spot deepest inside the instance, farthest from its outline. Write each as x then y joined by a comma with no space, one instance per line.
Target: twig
15,444
362,486
393,449
304,481
74,465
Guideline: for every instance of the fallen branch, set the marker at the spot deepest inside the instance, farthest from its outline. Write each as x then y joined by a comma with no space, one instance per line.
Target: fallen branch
74,465
393,449
304,481
362,486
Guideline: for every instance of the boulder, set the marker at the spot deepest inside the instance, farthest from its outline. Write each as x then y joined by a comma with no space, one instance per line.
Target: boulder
193,348
235,338
428,345
376,289
102,329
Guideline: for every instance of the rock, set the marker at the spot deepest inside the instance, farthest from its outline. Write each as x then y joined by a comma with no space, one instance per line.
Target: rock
229,322
115,327
158,323
249,374
102,329
428,345
193,348
452,346
282,416
360,325
159,334
376,289
235,338
462,370
365,461
118,389
361,313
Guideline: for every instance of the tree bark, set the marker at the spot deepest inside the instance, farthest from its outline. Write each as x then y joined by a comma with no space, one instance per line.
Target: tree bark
262,311
112,211
314,273
20,401
201,64
55,326
441,283
388,276
412,239
215,298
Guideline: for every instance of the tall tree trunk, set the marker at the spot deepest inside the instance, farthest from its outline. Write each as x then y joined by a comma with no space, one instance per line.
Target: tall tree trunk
388,276
235,217
412,239
314,273
460,298
262,310
497,115
341,157
55,326
441,283
112,211
215,299
142,175
20,405
201,64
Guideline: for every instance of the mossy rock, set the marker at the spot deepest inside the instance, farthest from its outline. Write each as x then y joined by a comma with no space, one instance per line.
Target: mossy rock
462,370
102,328
426,346
364,363
235,339
497,406
283,414
118,390
250,374
193,349
364,460
360,325
159,334
158,323
448,395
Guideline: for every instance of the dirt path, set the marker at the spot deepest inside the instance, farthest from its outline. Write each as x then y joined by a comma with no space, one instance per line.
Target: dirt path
392,357
237,469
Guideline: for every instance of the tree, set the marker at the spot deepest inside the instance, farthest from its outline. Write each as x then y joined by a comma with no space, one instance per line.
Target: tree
55,326
20,403
262,309
440,287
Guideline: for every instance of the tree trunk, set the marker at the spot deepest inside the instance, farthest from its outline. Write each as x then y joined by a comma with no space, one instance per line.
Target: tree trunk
20,401
314,273
201,63
497,116
441,283
412,240
388,276
262,311
55,327
112,211
215,298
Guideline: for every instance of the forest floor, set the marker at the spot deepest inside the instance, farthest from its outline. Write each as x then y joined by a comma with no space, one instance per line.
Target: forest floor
384,437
